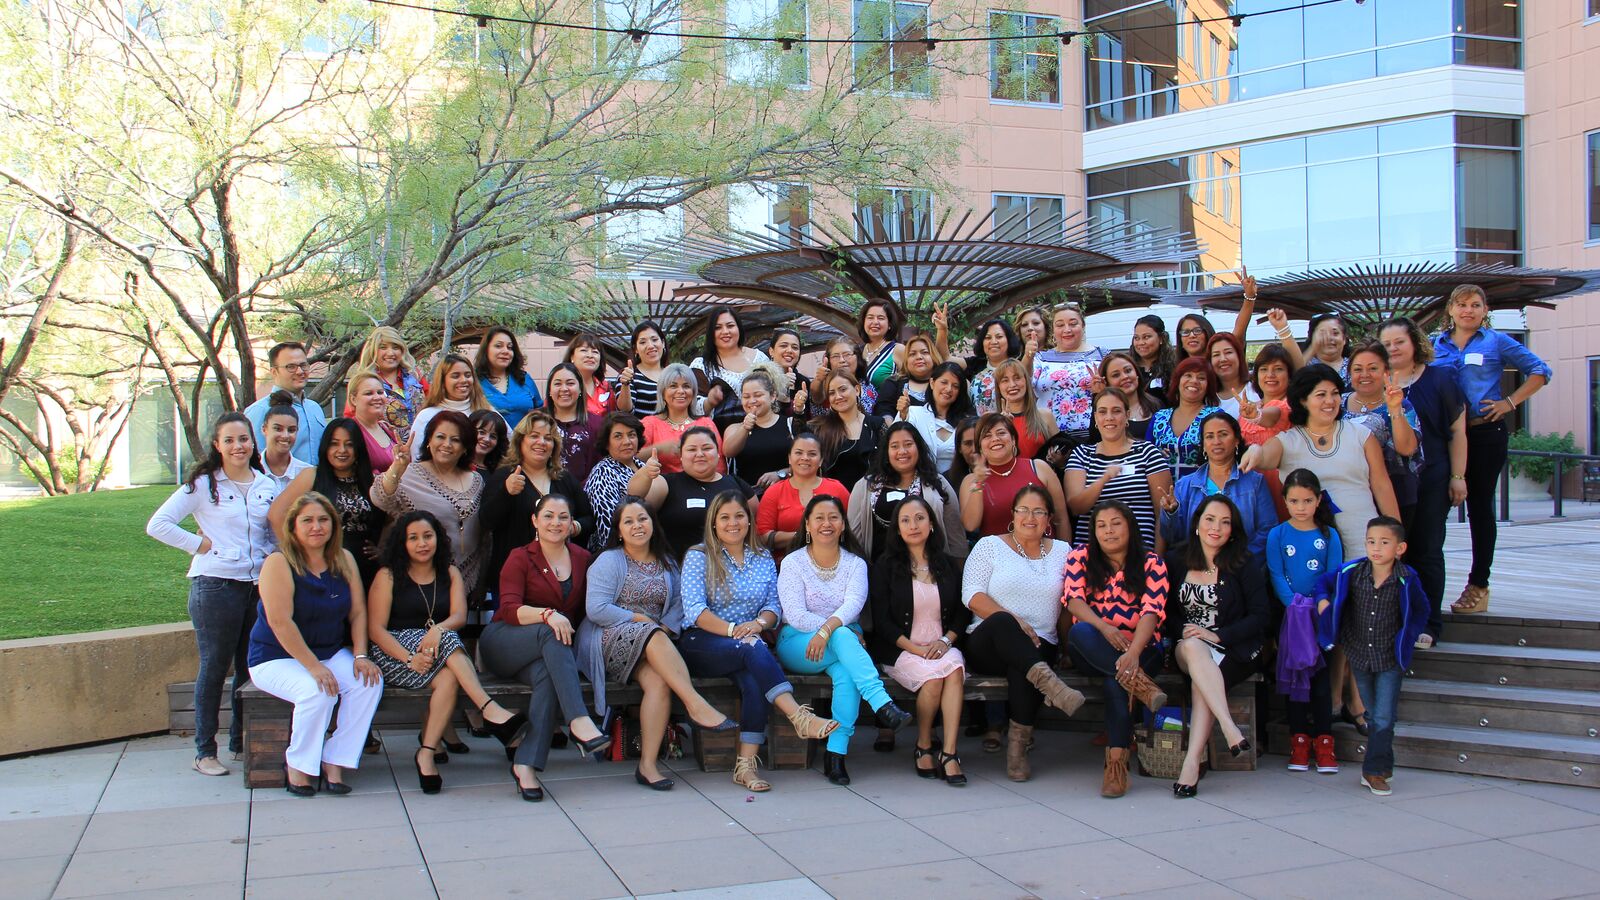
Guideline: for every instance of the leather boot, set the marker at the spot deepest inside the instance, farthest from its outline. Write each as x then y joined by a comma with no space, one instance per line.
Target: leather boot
1115,783
1018,737
1056,692
1141,688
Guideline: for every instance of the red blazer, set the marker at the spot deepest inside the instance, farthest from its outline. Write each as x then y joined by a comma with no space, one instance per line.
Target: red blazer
528,580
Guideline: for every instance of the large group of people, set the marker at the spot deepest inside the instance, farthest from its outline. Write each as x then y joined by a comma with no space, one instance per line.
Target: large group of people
900,516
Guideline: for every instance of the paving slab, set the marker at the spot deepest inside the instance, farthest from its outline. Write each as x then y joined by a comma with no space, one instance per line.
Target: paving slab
152,868
1370,830
390,883
985,832
1234,850
313,853
683,865
1499,813
41,836
953,879
1353,878
29,877
1493,870
168,825
1100,869
852,848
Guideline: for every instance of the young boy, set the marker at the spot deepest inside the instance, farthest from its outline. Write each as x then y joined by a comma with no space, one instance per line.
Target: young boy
1374,608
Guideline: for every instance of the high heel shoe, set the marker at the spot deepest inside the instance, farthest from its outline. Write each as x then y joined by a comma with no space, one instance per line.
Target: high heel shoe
660,784
1240,748
593,745
440,757
299,790
945,759
530,794
891,717
431,784
336,788
1184,791
507,732
833,768
455,746
919,754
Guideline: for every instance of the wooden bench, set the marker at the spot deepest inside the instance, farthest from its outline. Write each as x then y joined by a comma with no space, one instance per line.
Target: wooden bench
267,718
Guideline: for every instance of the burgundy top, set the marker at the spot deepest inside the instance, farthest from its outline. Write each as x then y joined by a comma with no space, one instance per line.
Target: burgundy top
528,580
998,492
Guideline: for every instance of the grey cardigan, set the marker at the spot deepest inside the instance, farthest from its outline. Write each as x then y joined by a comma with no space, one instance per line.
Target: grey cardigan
948,512
601,611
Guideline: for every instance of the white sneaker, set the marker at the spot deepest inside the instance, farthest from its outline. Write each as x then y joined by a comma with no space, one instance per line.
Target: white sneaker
208,765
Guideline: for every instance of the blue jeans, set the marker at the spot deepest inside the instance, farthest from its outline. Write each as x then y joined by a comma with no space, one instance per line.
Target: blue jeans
854,674
1380,693
1091,652
751,665
223,612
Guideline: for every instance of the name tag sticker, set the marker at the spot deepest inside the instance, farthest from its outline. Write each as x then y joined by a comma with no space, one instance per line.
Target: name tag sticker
1473,359
695,503
894,496
1129,470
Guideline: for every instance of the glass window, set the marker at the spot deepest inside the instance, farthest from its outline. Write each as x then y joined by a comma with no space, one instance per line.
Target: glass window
1594,182
1489,199
496,44
1342,210
903,65
1336,37
1273,155
1594,362
759,62
1269,49
1273,217
894,214
1416,202
1028,215
1417,134
651,53
629,231
343,32
767,208
1335,145
1485,131
1025,69
1594,11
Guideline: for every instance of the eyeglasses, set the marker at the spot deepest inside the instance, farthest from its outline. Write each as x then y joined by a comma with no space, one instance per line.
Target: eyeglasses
1191,332
294,367
1031,513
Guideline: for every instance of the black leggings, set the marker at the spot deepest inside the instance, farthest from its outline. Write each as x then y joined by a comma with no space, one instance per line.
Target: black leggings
1425,531
999,646
1486,456
1314,715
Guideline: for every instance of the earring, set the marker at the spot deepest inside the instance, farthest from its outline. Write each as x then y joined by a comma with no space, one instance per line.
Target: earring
1012,528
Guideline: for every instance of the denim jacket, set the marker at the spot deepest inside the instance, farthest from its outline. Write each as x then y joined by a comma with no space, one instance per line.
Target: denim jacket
1247,490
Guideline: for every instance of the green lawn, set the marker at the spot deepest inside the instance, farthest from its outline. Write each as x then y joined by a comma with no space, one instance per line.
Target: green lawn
84,563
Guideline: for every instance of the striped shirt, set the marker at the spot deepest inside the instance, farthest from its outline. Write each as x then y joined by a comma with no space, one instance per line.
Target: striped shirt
1131,486
1112,602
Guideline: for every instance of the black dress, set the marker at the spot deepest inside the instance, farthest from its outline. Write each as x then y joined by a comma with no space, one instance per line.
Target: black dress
765,450
683,512
510,517
852,457
361,522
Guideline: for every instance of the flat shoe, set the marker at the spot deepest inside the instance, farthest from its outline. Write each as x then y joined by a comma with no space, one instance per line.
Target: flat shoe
208,765
660,784
1184,791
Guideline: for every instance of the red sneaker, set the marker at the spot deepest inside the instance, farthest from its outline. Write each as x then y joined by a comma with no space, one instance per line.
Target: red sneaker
1300,753
1327,763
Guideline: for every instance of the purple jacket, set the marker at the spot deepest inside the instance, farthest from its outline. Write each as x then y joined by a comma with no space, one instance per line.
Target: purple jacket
1298,655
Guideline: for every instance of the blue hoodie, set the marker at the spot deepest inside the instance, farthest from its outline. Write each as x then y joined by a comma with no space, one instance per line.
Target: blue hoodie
1414,608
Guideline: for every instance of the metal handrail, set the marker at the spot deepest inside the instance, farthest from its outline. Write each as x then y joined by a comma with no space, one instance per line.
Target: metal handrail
1555,479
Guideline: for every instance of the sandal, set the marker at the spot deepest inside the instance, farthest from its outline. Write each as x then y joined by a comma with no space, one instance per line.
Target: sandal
1473,600
746,775
918,755
959,779
991,742
1424,641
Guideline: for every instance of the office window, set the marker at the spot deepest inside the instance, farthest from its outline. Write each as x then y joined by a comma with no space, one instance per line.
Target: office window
1594,389
1027,68
1028,216
652,53
497,44
762,62
1594,9
340,33
770,209
1594,179
894,214
627,233
903,65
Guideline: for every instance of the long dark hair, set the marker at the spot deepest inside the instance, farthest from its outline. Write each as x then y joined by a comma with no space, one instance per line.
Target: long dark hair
847,536
1268,354
462,425
1166,357
1304,383
1311,332
498,423
393,555
980,359
1098,566
897,319
659,548
633,341
939,562
480,362
1305,478
583,398
325,482
1233,553
959,470
1181,354
212,463
711,358
962,407
881,473
585,339
1147,400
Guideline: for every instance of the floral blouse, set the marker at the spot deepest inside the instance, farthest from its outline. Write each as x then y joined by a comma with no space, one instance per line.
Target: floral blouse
983,396
1181,450
1062,382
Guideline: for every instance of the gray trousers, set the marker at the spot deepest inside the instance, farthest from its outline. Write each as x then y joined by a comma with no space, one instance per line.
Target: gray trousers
532,655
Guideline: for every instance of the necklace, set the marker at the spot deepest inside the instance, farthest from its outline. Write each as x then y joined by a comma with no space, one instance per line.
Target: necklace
1322,439
676,426
1365,406
825,573
431,601
1006,473
1034,563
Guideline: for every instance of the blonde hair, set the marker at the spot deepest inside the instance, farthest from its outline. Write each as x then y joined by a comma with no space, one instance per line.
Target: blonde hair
1040,424
716,571
771,377
381,335
436,390
356,377
933,346
1462,292
332,553
513,455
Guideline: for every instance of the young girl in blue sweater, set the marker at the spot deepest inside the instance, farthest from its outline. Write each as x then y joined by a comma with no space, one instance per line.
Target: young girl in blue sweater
1299,553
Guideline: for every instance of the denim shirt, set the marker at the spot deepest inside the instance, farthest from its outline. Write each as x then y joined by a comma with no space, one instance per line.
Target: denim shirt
750,590
1477,367
1247,490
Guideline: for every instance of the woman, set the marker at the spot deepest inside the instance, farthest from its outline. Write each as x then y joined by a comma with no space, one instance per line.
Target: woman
682,498
1194,332
1442,482
279,429
664,431
1121,371
849,437
1377,402
311,604
442,482
608,481
910,388
385,355
455,387
1328,342
1267,412
633,610
968,454
579,428
1064,377
586,354
230,540
531,469
542,590
823,588
1015,398
414,640
1223,447
785,353
343,474
946,403
1477,356
1012,584
1218,622
997,342
1030,325
723,362
841,355
781,515
1226,355
903,468
1152,351
917,618
1117,594
1346,457
987,493
489,446
368,401
499,365
1116,468
878,323
730,599
1176,430
637,384
759,443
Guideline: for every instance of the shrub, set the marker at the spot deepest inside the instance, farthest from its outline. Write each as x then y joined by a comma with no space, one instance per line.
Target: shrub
1540,469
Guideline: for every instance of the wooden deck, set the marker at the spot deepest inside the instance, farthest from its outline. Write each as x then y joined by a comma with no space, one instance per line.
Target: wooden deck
1547,570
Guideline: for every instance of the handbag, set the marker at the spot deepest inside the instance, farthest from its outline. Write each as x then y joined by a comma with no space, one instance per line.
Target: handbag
1160,752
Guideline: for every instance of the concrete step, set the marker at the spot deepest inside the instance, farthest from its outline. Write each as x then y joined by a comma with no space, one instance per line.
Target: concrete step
1522,632
1499,753
1476,705
1510,666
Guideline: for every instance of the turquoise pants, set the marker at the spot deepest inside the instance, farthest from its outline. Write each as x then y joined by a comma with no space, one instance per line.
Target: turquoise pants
854,674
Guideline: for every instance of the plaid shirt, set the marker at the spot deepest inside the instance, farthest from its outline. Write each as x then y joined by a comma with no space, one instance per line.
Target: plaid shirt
1371,621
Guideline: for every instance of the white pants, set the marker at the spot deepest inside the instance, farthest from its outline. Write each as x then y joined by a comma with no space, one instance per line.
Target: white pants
288,679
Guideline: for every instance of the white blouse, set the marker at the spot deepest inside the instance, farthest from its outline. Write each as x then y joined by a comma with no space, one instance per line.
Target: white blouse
1031,589
808,601
928,425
